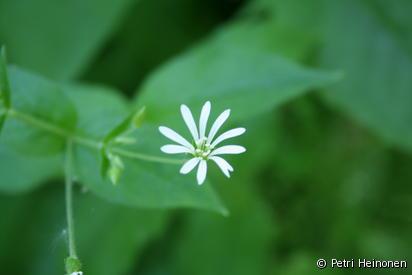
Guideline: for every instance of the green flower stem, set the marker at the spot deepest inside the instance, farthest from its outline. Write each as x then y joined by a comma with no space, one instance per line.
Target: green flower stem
39,123
69,199
136,155
73,263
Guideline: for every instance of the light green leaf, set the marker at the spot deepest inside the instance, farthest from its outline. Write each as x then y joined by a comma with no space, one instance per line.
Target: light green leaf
111,165
143,183
21,173
138,117
40,117
57,39
245,78
99,109
133,121
370,42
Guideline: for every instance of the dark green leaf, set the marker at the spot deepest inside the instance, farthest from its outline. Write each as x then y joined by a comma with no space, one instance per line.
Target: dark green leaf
238,244
57,39
245,78
368,42
109,237
4,88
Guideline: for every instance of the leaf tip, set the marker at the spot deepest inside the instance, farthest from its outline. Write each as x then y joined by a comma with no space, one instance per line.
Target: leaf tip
138,117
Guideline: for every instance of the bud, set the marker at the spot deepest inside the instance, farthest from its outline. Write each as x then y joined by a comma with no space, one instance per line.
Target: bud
73,266
116,168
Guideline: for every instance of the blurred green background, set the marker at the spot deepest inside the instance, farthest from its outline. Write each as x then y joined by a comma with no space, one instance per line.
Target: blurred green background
328,173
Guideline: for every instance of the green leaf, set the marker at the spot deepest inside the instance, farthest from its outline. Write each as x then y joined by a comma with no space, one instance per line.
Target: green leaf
125,125
247,79
132,122
58,40
4,88
126,234
21,173
109,245
238,244
370,41
100,122
112,165
143,183
138,117
41,116
100,109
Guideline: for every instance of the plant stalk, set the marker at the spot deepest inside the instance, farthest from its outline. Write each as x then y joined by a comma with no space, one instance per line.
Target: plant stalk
41,124
72,262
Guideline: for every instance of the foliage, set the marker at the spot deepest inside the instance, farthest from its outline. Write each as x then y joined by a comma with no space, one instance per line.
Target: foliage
323,88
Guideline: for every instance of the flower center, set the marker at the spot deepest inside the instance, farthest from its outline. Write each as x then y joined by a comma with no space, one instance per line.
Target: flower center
203,149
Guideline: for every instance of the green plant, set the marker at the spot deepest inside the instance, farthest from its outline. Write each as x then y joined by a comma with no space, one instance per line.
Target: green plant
47,118
327,152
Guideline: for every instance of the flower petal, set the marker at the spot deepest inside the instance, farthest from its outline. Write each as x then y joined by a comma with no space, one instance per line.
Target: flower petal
217,124
172,135
188,118
189,165
228,149
201,172
223,165
229,134
204,116
175,149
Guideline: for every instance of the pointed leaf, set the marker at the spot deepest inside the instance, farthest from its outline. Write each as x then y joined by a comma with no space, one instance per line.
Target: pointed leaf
367,42
247,79
41,116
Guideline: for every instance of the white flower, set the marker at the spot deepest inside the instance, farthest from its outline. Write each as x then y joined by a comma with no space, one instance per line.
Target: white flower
77,273
203,147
